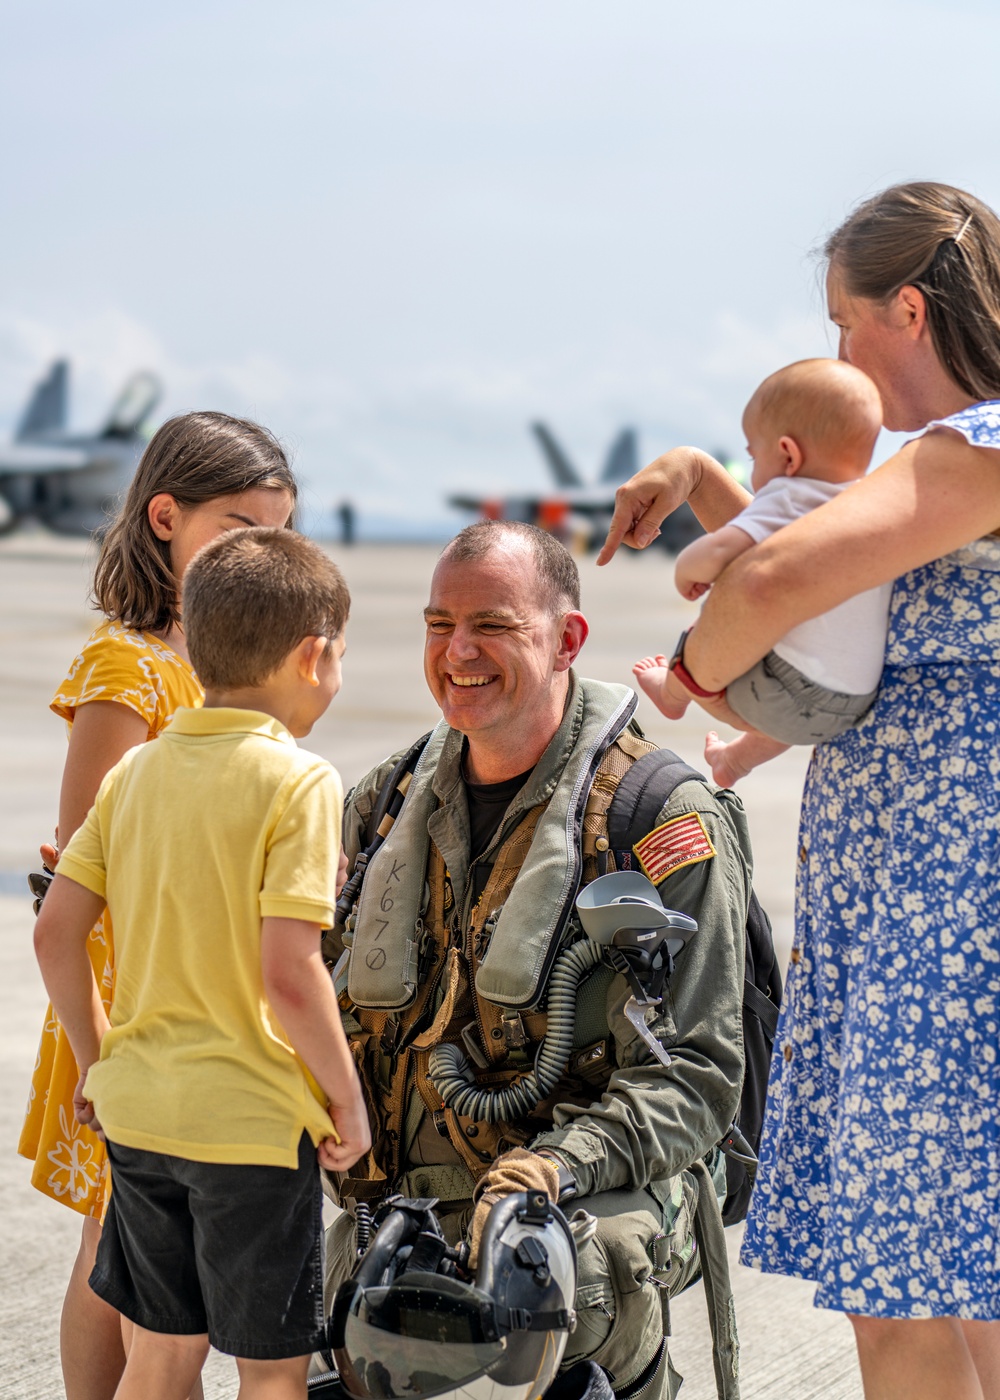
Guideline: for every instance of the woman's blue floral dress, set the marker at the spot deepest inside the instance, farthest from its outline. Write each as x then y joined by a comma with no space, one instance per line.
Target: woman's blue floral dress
880,1169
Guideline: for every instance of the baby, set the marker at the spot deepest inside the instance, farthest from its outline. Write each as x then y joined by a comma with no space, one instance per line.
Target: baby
810,431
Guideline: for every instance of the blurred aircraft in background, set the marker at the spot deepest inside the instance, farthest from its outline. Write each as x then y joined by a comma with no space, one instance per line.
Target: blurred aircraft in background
67,480
575,511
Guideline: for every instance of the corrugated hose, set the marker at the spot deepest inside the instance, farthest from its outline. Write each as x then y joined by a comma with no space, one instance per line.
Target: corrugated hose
452,1078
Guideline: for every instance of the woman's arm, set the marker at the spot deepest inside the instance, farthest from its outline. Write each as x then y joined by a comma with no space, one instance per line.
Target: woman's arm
683,474
103,731
936,495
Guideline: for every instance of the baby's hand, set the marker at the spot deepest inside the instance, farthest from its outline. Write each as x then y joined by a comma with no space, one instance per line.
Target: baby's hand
688,586
351,1122
662,686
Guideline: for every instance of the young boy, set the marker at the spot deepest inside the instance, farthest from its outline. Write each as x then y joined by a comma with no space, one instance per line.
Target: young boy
224,1071
810,431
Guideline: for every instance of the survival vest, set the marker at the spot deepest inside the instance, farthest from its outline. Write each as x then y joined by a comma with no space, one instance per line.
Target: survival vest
629,790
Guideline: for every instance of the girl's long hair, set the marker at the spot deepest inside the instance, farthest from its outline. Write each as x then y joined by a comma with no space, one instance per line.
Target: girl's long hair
947,244
195,458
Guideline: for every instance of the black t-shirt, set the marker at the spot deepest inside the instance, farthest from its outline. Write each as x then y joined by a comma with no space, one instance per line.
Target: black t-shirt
487,804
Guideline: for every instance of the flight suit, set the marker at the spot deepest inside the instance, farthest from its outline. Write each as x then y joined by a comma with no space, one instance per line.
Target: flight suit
625,1125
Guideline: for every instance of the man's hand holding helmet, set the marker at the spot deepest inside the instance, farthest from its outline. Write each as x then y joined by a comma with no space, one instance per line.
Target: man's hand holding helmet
517,1170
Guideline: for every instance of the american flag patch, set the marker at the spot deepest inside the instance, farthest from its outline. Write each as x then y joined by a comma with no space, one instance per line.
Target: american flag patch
678,842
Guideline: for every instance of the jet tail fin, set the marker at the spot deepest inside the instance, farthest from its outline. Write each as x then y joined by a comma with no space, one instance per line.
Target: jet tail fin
133,406
46,409
623,457
559,464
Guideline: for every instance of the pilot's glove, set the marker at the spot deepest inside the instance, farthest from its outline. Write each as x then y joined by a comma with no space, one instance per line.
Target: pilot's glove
517,1170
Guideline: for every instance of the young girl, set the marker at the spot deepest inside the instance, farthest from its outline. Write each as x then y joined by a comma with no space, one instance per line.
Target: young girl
202,474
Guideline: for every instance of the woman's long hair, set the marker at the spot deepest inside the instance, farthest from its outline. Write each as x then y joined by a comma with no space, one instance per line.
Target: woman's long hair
947,244
195,458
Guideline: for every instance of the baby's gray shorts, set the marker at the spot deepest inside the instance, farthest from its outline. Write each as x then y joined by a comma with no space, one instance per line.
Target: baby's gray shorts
779,700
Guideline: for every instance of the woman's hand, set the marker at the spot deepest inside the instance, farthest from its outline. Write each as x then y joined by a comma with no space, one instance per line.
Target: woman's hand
682,474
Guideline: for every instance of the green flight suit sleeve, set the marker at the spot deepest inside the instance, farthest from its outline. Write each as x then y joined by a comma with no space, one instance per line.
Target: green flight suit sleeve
653,1120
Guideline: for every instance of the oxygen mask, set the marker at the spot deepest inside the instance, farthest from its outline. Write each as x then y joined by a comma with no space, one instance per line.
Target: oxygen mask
624,914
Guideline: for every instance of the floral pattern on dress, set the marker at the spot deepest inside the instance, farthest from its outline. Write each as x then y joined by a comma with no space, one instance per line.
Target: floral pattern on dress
77,1162
131,668
880,1163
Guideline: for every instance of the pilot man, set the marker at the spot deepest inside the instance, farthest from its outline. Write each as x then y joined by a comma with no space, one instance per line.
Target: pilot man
463,915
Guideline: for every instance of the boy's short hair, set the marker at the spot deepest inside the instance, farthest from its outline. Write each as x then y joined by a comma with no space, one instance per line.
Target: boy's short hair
250,597
830,404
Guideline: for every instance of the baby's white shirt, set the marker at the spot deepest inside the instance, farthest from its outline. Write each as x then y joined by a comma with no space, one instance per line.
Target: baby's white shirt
842,649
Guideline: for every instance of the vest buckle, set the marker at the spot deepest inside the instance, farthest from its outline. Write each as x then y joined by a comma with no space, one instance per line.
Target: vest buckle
389,1039
514,1034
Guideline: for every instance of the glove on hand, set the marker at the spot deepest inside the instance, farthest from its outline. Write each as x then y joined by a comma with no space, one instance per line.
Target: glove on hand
517,1170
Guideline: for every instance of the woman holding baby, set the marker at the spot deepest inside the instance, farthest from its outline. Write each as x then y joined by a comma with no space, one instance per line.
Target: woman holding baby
880,1167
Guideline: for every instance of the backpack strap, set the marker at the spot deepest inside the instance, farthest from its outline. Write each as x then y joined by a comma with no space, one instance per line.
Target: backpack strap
760,1003
641,796
711,1237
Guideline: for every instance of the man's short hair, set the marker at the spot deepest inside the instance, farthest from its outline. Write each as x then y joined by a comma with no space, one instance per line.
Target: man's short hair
250,597
555,566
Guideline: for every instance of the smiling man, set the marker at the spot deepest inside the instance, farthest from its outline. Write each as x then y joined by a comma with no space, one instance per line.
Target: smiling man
462,915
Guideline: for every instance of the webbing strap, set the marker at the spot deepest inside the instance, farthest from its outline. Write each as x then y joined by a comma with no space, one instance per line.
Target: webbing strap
711,1237
762,1007
446,1182
640,796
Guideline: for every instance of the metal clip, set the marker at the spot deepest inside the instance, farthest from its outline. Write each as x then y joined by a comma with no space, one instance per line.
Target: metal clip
514,1034
481,942
389,1039
426,952
634,1013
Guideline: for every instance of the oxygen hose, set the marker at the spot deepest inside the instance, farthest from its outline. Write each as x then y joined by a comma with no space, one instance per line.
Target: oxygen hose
451,1077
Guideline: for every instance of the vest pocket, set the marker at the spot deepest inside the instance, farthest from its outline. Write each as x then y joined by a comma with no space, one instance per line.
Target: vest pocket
673,1250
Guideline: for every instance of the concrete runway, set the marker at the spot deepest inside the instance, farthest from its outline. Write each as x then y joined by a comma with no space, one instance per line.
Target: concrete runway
788,1347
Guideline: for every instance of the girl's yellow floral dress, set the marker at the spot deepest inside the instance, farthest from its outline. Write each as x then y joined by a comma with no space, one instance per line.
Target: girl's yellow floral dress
138,670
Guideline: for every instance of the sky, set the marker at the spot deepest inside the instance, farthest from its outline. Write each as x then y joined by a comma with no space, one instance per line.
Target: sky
399,231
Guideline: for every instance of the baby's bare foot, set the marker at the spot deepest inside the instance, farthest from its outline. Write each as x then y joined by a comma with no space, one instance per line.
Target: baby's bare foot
655,678
727,761
732,761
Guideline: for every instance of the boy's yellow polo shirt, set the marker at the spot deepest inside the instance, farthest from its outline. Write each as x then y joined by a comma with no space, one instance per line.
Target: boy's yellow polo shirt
192,840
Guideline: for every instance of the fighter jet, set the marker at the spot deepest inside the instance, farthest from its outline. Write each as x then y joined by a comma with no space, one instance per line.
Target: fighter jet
69,480
576,511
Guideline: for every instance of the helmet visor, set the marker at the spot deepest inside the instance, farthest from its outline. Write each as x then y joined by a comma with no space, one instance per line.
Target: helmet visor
409,1340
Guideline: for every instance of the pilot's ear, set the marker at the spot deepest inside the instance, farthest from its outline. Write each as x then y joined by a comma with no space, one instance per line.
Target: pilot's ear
573,634
163,513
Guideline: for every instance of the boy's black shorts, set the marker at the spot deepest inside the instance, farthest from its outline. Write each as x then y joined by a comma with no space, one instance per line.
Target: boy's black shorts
234,1251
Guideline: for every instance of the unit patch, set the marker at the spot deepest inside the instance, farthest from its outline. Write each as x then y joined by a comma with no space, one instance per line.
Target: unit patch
678,842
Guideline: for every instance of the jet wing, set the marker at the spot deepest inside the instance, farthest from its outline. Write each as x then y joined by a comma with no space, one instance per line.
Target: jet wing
27,458
509,507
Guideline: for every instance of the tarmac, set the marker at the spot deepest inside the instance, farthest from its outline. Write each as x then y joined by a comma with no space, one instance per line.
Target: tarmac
789,1349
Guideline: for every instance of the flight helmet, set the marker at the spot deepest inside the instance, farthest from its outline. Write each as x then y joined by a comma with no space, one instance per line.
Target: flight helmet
413,1322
